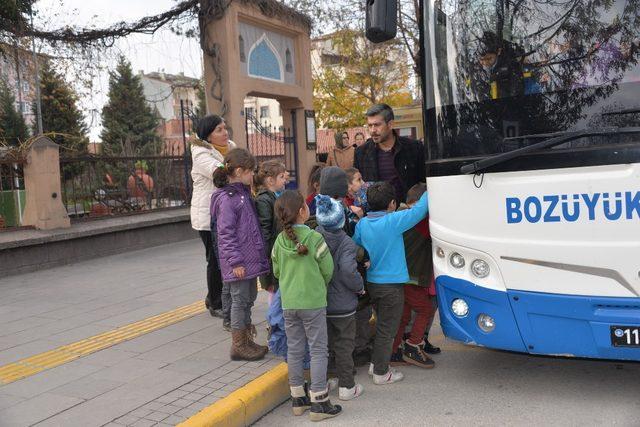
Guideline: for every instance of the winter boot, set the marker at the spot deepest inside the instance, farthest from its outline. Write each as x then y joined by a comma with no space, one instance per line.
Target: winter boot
321,407
414,354
240,348
258,348
300,400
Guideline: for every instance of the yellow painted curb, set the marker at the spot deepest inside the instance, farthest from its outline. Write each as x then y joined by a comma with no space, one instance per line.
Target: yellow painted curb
247,404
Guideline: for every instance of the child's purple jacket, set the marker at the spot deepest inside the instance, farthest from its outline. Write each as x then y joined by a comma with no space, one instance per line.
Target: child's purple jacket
238,236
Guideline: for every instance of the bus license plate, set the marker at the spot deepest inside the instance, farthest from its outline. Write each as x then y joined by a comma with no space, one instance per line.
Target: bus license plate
625,336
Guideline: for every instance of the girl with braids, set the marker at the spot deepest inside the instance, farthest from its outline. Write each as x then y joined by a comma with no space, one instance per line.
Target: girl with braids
269,181
303,265
241,249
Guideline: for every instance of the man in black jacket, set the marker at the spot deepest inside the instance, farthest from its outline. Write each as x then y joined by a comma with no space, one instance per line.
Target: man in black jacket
386,156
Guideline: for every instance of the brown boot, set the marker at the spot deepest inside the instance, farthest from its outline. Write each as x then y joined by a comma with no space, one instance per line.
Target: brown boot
240,348
250,331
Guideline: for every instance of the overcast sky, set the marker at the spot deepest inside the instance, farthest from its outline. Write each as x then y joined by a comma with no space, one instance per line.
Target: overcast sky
163,50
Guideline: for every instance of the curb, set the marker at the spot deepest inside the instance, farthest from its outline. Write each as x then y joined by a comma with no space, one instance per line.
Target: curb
247,404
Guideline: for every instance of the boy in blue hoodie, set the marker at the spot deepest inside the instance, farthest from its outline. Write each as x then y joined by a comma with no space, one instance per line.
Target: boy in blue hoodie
381,234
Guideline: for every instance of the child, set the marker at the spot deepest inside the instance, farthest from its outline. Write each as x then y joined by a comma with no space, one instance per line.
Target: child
417,245
313,186
270,179
356,198
241,250
344,288
334,183
303,265
380,233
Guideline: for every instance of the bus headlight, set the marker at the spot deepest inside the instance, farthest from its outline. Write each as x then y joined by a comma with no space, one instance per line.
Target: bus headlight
480,268
486,322
456,260
460,307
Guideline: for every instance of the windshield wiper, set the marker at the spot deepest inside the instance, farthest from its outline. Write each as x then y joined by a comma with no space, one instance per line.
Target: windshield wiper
561,138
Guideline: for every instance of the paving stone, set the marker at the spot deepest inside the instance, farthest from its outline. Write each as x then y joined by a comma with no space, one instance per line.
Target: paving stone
189,387
140,412
198,406
206,390
177,393
152,406
183,403
7,400
144,423
200,381
156,416
39,408
174,420
170,409
166,399
87,388
194,396
209,399
127,419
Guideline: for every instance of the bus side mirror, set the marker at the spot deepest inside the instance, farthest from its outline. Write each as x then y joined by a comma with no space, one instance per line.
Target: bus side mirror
381,20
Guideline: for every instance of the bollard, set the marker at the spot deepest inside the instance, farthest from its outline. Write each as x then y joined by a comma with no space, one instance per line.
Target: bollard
44,209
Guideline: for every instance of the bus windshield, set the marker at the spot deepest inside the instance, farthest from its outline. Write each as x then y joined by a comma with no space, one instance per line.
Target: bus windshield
500,74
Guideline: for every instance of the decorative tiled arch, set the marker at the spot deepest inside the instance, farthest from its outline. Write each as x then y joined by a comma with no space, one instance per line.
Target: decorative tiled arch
264,61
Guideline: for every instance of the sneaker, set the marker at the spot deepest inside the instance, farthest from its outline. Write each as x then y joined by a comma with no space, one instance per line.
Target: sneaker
350,393
370,369
431,349
390,377
396,358
300,400
416,356
226,324
332,383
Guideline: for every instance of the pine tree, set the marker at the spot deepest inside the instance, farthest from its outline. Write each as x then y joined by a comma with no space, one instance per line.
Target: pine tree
13,129
129,124
60,114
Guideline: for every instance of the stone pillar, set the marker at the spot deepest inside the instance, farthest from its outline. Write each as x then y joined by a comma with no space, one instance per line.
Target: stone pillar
222,77
306,158
44,209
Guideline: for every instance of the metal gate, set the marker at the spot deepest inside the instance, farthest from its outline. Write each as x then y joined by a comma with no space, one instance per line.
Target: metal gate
266,142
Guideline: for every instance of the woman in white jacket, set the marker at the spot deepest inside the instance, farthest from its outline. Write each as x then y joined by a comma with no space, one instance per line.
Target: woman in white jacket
207,154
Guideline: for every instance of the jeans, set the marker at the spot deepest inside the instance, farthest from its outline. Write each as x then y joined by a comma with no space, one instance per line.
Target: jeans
363,329
342,333
416,299
243,295
214,275
388,301
302,327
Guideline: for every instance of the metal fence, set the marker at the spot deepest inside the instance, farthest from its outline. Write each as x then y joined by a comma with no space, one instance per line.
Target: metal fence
12,194
104,186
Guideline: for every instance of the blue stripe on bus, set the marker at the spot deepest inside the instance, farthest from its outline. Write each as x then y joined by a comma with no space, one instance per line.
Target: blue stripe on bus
539,323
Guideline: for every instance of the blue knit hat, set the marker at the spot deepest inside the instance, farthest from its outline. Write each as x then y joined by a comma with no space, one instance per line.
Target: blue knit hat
329,213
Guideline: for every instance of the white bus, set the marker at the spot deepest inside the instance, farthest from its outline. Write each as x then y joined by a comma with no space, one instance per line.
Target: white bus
532,132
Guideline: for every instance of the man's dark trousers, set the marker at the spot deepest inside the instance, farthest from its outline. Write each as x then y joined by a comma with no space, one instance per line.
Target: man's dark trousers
342,339
388,301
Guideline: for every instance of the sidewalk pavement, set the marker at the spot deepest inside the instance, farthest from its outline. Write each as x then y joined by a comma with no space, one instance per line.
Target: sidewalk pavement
158,378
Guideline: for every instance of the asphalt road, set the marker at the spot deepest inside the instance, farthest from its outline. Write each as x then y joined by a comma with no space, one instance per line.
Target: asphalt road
477,386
